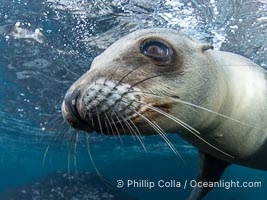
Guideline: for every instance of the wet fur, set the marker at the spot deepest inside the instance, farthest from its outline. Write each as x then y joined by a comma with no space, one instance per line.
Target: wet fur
215,100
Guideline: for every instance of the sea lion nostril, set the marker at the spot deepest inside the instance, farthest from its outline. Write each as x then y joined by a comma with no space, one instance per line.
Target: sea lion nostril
71,103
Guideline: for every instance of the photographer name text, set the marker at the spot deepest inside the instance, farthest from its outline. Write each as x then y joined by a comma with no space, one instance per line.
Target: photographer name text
149,184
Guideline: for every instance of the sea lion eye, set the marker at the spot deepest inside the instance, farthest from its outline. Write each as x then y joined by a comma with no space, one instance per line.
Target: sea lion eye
156,49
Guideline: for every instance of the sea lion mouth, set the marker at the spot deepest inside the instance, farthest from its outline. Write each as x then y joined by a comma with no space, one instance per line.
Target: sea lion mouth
106,106
151,111
70,102
154,109
135,120
71,114
100,105
165,107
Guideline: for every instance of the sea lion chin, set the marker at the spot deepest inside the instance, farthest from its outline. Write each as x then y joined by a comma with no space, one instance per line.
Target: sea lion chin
154,81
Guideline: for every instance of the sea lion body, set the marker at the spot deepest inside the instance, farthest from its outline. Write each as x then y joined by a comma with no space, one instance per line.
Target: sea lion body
155,78
243,91
238,90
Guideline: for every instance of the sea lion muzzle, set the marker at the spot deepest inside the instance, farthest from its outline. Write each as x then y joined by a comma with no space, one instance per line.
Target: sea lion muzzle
70,103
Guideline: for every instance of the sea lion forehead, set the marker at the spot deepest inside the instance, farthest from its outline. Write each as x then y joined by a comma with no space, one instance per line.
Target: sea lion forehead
134,40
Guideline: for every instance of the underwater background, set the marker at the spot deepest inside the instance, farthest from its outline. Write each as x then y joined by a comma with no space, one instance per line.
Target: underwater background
45,45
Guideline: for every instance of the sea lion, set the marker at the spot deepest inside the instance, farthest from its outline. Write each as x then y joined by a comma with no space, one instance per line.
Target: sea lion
154,81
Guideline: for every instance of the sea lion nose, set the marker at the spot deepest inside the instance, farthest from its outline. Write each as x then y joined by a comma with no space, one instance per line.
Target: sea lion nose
71,103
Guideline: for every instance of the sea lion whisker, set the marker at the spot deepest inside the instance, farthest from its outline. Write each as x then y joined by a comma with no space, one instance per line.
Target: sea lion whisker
88,117
92,121
163,136
113,132
171,73
214,112
70,149
105,181
228,94
113,73
57,123
99,121
133,132
107,119
107,127
61,135
118,120
127,74
91,157
196,133
115,126
57,137
55,118
126,124
199,107
179,72
143,80
89,114
75,153
199,137
45,154
57,142
161,132
139,136
114,123
175,119
58,133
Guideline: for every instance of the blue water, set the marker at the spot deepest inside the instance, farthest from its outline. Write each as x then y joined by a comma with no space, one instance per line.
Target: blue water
45,45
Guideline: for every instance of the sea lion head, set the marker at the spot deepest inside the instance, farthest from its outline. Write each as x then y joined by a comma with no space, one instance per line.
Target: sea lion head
137,83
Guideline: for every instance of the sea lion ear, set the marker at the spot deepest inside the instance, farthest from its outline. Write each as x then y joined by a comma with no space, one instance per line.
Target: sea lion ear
205,47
